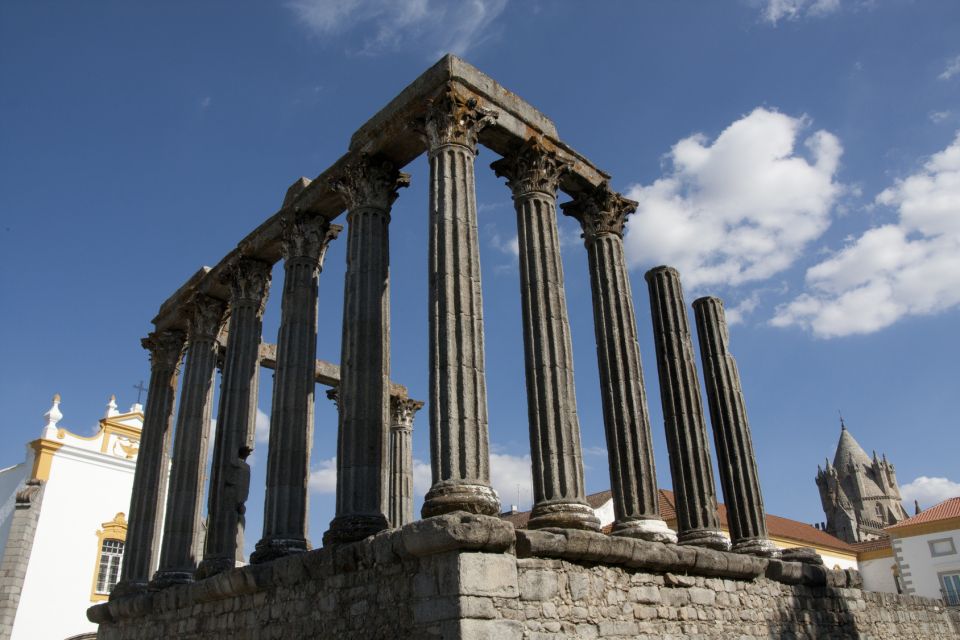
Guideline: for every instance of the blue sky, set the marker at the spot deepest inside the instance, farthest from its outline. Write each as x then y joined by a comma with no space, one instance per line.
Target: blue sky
798,158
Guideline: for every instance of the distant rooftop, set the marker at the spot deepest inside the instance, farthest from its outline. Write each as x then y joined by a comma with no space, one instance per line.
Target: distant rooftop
949,508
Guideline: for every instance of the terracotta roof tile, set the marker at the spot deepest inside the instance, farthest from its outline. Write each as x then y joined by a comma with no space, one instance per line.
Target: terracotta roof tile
872,545
949,508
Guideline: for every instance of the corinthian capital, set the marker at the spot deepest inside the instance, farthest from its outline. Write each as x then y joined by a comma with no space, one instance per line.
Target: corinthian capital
207,315
306,236
165,347
455,119
600,211
370,182
402,411
531,168
249,281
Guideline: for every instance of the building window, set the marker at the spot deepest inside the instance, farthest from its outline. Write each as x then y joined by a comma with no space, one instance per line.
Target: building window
951,589
942,547
106,570
111,553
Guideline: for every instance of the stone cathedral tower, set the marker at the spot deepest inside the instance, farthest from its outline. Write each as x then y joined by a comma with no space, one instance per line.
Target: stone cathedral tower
860,495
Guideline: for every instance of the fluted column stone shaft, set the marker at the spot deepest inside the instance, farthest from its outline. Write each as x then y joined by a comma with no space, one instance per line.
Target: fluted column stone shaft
304,245
533,175
141,548
731,431
633,481
181,526
369,186
690,465
236,418
459,438
402,411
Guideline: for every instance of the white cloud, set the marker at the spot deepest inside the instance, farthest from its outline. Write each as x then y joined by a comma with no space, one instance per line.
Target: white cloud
422,477
952,68
936,117
738,313
741,208
509,473
509,246
323,477
908,268
774,11
206,102
262,427
394,24
928,491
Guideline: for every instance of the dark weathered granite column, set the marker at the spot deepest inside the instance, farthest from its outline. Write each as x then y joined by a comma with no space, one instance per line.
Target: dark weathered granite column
305,240
459,439
633,479
402,411
249,283
369,187
731,432
533,174
181,525
690,466
153,463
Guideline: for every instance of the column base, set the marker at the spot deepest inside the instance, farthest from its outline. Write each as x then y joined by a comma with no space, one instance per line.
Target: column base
756,547
563,515
710,538
277,547
127,588
351,528
651,530
212,566
807,555
170,578
448,496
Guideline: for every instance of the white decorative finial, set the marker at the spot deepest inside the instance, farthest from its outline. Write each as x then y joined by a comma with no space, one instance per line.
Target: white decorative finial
111,407
52,416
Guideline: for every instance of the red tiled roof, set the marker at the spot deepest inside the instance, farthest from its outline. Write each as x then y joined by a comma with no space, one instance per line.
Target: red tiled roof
776,525
949,508
872,545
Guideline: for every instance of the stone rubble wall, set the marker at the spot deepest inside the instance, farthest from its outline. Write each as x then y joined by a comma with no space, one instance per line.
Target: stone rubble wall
464,576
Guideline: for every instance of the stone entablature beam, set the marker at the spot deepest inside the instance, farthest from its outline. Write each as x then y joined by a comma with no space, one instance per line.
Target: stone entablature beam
626,420
305,242
533,173
181,525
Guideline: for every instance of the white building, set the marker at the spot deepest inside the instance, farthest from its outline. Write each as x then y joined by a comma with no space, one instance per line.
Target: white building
927,552
63,525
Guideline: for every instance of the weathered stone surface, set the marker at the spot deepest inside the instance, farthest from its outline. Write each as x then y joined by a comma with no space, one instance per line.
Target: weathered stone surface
690,466
457,530
402,411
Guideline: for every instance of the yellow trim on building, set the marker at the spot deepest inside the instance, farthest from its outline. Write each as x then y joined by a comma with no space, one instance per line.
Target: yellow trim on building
43,451
921,528
115,529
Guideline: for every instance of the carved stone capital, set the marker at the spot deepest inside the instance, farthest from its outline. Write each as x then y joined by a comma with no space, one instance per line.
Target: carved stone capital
370,182
249,281
333,395
402,411
207,315
600,212
532,168
306,236
455,119
165,347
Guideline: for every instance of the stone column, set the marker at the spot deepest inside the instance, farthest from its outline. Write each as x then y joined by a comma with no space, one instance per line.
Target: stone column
690,466
369,187
305,240
153,462
731,432
249,284
402,411
459,440
181,524
626,421
533,174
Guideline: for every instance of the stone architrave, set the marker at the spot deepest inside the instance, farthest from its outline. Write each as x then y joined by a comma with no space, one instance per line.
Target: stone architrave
304,244
602,214
459,438
402,411
153,462
369,187
533,175
690,466
249,284
731,432
181,526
